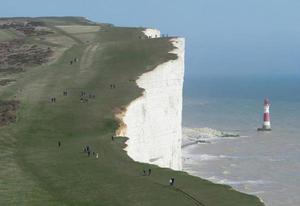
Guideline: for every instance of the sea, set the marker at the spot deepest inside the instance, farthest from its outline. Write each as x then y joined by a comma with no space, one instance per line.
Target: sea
265,164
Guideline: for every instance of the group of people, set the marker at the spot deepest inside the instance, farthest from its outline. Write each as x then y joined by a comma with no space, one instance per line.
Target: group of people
85,98
87,149
171,181
74,60
53,99
149,172
112,86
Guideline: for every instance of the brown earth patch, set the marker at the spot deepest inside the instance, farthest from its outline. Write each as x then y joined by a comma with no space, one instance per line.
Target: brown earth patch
119,114
4,82
8,111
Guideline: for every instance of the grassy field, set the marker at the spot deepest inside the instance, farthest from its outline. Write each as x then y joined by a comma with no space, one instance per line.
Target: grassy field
35,171
6,35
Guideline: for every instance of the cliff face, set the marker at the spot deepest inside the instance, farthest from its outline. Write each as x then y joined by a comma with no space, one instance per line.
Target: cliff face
153,121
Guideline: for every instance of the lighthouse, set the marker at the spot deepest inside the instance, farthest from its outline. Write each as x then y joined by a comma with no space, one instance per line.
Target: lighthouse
267,124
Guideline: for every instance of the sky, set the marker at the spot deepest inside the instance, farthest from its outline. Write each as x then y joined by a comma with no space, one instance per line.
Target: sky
223,37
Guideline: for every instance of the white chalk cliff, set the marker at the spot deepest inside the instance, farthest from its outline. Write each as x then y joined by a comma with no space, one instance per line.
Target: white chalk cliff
152,33
153,121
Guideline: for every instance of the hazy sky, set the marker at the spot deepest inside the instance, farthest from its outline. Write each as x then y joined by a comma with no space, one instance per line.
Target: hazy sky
223,36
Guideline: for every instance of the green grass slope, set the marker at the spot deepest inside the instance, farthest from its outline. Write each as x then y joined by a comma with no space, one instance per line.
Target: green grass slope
34,171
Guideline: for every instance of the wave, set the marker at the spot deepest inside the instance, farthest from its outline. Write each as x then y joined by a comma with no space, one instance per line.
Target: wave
206,134
209,157
257,193
236,183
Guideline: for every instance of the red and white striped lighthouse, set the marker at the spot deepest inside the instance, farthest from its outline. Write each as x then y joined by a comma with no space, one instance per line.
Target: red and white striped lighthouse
267,124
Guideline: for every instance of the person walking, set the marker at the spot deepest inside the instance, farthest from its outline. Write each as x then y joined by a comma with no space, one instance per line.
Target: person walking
172,181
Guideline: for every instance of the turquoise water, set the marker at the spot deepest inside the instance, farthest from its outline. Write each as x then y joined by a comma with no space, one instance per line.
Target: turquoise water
266,164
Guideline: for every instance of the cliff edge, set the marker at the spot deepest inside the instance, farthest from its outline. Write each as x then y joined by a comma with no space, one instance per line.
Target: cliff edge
153,121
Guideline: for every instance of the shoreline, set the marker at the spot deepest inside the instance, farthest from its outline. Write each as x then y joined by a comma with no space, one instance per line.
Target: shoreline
220,183
189,143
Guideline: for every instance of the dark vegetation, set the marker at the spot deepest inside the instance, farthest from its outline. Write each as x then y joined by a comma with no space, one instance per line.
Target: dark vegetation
29,28
4,82
16,54
8,110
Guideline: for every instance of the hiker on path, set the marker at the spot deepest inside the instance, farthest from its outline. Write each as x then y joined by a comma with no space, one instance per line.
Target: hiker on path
97,156
172,181
149,172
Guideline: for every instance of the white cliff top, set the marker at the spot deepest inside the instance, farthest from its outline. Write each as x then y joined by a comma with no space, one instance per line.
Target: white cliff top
152,33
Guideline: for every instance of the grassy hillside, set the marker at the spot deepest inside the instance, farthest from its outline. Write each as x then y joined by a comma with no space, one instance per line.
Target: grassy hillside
35,171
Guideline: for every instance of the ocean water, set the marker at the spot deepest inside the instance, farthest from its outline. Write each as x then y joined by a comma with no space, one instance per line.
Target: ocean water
266,164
